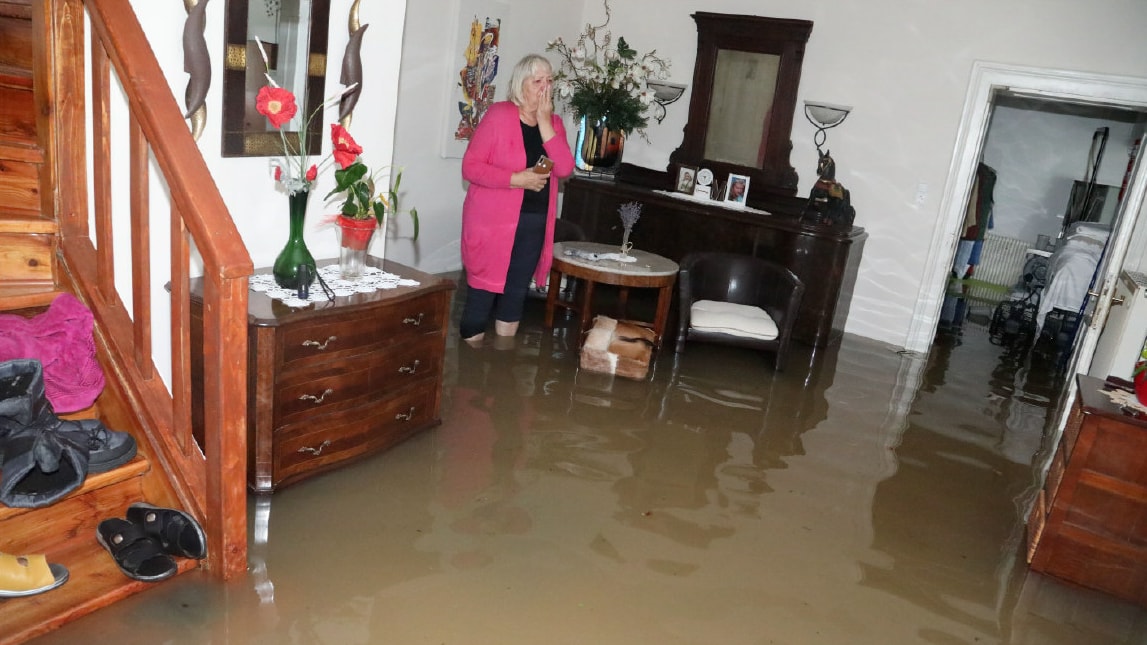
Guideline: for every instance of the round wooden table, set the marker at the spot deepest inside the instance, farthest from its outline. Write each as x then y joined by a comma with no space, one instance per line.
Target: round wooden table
649,271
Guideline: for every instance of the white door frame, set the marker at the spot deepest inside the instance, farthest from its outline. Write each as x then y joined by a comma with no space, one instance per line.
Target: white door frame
986,79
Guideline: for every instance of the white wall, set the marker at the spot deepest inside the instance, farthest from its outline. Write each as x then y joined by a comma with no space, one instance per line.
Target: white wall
903,64
1037,155
257,206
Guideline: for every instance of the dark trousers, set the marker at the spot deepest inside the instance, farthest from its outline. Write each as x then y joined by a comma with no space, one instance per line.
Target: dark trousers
508,305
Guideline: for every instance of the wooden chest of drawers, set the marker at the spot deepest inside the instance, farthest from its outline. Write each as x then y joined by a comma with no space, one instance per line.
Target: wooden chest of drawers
1089,523
332,382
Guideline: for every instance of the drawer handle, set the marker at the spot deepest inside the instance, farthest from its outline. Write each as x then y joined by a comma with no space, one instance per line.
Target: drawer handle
316,451
316,399
317,345
410,369
416,321
405,417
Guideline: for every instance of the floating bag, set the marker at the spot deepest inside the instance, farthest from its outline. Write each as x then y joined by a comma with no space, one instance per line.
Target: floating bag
617,347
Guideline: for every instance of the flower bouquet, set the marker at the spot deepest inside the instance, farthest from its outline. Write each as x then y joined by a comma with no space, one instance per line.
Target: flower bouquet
604,85
294,268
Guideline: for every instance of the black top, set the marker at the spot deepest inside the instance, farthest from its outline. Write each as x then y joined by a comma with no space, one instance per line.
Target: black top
534,201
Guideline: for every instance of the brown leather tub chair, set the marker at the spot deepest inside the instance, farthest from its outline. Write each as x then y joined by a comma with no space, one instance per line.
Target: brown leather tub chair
735,292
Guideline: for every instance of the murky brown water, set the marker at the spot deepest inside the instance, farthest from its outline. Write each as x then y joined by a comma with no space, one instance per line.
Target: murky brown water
862,496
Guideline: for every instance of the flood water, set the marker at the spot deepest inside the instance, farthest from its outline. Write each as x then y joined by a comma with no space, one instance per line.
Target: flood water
863,495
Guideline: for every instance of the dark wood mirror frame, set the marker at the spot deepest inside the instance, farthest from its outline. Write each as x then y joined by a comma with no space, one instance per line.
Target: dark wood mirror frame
242,139
773,176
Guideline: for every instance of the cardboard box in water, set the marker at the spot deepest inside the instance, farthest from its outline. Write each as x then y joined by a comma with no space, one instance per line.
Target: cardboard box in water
617,347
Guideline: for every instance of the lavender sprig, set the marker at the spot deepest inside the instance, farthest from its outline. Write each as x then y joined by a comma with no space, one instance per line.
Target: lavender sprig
630,212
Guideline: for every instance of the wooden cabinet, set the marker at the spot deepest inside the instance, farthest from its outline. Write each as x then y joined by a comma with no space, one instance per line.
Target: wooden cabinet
334,381
826,260
1089,523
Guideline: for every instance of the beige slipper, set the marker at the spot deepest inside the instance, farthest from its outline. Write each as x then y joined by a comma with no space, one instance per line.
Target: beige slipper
27,575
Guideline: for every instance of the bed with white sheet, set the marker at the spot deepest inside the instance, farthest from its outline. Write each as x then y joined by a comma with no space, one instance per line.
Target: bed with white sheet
1071,267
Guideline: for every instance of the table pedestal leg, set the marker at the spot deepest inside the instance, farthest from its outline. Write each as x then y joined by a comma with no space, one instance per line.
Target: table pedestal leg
586,306
664,298
552,296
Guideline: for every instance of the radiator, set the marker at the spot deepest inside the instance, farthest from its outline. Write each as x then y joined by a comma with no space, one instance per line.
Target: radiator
1001,260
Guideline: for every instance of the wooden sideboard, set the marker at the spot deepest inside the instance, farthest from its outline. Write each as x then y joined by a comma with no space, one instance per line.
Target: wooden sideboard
825,259
334,381
1089,522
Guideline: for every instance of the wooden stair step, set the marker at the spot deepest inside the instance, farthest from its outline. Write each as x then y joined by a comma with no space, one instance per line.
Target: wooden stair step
94,583
26,296
74,518
21,151
17,115
66,533
27,253
16,9
20,164
15,77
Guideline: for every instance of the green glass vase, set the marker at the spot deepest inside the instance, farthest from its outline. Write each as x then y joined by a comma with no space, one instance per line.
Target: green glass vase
295,254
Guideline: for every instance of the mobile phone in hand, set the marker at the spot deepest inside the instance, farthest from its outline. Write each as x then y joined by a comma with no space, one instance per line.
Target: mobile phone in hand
544,165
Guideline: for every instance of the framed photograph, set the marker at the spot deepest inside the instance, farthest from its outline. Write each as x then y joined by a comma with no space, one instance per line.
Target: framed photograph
737,189
686,179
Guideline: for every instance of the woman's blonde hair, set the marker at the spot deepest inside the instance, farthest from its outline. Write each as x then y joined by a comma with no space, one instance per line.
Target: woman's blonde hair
530,65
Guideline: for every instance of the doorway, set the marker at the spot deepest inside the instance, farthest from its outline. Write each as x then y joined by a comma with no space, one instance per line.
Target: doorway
1025,214
988,81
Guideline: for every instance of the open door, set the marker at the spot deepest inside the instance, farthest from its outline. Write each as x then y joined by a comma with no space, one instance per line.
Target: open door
1099,296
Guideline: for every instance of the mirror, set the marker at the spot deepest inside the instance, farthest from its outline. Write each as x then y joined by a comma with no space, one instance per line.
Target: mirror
744,97
294,35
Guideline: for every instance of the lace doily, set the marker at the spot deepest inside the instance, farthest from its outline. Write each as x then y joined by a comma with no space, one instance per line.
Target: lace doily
1125,399
373,279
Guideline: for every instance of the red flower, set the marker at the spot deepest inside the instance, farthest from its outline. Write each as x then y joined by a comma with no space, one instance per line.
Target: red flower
277,104
345,149
312,172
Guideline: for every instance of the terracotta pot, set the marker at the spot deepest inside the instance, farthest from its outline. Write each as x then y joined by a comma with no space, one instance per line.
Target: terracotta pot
355,237
356,233
1140,381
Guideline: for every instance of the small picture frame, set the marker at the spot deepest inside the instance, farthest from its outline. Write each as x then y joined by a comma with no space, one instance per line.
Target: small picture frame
702,192
686,179
737,189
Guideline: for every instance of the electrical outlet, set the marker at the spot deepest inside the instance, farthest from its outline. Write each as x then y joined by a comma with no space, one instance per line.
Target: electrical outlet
921,193
272,166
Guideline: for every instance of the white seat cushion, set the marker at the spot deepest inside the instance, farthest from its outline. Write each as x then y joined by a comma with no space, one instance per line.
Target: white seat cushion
744,321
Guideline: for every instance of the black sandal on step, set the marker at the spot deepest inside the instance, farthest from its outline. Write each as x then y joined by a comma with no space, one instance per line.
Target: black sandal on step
139,555
178,533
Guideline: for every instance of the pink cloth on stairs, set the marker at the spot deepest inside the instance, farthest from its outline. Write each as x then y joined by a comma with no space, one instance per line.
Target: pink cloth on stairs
61,339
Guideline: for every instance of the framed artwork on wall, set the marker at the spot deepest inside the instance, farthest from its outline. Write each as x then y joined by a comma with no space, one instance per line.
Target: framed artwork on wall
474,70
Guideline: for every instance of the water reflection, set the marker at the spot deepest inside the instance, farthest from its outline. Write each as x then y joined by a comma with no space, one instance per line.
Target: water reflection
864,495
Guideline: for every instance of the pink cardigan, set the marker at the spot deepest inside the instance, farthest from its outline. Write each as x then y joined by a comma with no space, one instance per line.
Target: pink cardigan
490,212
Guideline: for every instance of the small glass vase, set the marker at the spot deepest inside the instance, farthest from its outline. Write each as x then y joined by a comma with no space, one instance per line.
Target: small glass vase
354,240
295,254
626,245
599,147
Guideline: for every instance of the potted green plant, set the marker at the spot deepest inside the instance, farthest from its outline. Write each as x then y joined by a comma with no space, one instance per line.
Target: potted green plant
1139,375
368,199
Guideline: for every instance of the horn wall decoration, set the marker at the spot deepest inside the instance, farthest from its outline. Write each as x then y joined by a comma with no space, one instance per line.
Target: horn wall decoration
197,63
352,66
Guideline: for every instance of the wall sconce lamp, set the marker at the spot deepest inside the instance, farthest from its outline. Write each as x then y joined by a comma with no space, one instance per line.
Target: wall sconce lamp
824,116
664,94
829,203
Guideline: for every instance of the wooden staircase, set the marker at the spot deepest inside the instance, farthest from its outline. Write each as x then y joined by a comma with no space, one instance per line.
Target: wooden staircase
46,248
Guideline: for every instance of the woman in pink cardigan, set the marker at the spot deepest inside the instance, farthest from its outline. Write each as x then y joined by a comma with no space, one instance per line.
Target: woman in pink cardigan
508,215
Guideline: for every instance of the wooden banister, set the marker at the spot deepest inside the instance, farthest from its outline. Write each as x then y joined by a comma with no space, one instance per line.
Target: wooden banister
210,482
